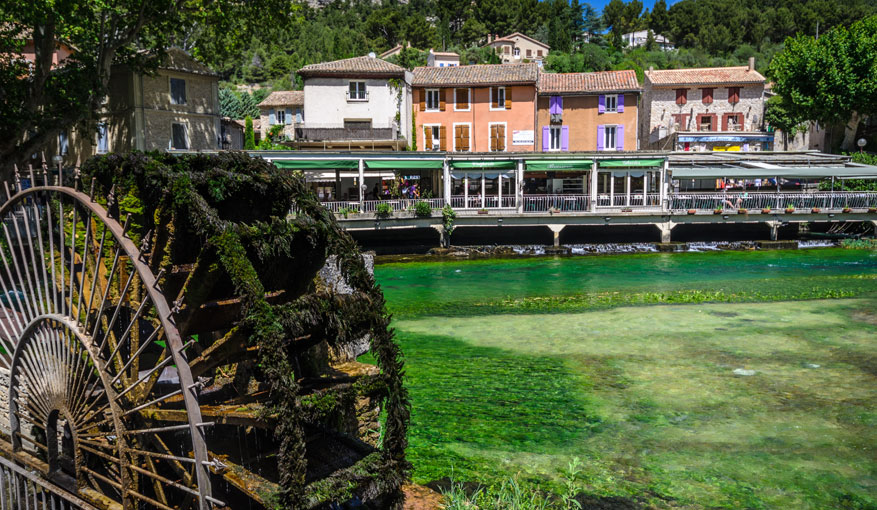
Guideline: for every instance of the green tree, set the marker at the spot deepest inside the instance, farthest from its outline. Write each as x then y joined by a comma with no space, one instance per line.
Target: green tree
249,134
659,20
249,105
832,79
781,115
229,103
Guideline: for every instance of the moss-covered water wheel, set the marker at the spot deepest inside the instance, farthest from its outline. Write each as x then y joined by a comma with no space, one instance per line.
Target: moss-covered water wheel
254,396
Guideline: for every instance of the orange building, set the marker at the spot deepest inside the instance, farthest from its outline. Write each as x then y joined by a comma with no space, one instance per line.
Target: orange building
477,108
588,111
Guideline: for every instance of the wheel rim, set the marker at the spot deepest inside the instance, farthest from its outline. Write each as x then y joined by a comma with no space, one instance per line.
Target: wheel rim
92,353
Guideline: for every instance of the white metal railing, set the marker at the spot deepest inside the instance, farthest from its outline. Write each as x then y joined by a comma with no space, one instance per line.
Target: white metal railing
543,203
370,206
774,201
489,202
651,200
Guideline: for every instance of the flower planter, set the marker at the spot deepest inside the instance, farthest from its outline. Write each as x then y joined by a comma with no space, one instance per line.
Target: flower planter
627,210
872,210
816,210
482,211
846,210
766,210
692,211
790,210
718,211
742,211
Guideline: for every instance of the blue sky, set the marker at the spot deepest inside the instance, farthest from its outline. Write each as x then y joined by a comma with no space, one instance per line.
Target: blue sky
599,4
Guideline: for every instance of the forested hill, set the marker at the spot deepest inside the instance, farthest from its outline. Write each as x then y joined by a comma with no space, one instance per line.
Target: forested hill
707,32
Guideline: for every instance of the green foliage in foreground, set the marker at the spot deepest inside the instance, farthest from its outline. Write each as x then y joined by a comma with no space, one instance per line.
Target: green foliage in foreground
859,244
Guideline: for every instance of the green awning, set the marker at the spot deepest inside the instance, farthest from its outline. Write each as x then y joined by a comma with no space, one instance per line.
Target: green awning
312,164
403,164
477,165
756,173
628,163
543,165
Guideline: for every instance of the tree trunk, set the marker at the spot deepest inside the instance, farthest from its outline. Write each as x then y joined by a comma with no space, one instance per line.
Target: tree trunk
850,129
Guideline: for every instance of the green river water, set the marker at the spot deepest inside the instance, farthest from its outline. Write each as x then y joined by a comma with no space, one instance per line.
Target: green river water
686,380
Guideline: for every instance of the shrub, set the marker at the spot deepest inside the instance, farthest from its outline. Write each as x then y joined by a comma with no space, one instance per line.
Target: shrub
249,135
422,209
383,210
448,217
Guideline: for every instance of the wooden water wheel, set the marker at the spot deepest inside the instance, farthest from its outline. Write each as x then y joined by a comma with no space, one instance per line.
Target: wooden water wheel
170,341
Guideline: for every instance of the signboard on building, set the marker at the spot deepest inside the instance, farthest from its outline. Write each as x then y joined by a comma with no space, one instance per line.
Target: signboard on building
523,137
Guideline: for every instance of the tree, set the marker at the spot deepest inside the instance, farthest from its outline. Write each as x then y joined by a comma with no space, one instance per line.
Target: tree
40,99
659,21
229,103
832,79
249,135
781,115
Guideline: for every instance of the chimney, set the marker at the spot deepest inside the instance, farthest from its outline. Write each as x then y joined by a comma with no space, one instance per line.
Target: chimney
651,69
489,38
752,63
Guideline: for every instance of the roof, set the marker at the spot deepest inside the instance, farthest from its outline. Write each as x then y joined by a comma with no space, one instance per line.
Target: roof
357,66
509,37
177,59
445,54
284,97
571,83
485,74
392,51
704,76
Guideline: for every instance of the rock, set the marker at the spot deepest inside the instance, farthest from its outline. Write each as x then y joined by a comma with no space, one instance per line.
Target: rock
418,497
743,371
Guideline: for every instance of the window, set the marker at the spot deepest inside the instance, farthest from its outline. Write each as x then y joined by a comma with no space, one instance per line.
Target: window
178,91
681,96
497,137
733,95
461,99
63,143
517,52
706,122
554,139
281,116
538,53
611,104
179,140
432,100
497,98
529,53
103,141
436,139
707,95
681,121
609,138
506,49
357,91
732,122
461,138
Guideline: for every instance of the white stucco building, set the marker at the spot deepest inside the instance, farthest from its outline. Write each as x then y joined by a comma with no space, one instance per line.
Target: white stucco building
706,109
361,103
641,37
442,59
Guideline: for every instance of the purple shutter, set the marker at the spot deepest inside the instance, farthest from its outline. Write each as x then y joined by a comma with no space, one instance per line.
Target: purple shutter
601,134
619,138
546,138
620,103
552,105
601,104
559,104
564,138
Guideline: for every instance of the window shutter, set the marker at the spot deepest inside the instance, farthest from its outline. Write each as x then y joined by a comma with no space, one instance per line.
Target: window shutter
271,117
619,138
422,93
601,104
465,137
458,138
443,138
714,124
442,100
734,95
289,115
559,104
427,138
601,135
707,95
725,121
494,92
462,99
620,104
508,99
546,138
500,137
564,138
681,96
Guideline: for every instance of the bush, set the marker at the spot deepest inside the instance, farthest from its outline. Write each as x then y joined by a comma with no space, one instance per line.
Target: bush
422,209
383,210
249,135
448,217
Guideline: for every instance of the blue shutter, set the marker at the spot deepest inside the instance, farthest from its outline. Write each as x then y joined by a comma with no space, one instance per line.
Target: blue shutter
271,117
289,115
601,104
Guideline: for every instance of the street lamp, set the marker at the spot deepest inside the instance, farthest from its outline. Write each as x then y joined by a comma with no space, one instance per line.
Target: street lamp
861,143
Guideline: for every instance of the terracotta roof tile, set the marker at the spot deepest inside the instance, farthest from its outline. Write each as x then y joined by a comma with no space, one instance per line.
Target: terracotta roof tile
509,38
284,97
704,76
605,81
485,74
355,66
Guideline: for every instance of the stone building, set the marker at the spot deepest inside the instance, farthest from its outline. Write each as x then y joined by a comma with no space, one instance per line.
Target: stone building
442,59
517,48
361,103
284,108
704,109
587,111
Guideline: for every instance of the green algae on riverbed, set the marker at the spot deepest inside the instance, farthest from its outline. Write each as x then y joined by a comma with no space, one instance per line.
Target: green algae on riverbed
648,396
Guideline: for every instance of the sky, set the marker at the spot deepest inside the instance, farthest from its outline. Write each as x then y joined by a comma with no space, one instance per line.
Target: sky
599,4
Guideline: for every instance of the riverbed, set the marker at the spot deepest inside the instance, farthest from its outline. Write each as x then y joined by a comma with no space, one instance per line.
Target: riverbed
684,380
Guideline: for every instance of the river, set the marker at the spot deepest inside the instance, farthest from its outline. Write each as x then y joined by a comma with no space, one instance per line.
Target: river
716,379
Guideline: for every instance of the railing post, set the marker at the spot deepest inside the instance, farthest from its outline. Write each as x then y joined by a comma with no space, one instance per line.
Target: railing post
519,187
361,184
446,181
663,186
593,190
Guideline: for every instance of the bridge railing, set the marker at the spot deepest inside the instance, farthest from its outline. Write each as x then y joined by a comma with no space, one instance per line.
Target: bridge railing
774,201
20,490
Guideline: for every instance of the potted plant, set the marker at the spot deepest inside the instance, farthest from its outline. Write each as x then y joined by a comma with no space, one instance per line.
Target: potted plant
872,210
718,210
790,209
816,210
692,211
383,210
482,211
766,210
742,211
846,210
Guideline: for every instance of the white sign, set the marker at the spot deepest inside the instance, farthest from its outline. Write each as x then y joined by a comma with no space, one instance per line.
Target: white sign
523,137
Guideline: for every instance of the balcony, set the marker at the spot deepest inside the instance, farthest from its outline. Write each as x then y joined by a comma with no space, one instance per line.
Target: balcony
307,134
361,97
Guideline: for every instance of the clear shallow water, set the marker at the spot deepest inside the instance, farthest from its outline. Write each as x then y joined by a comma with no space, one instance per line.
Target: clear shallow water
410,288
650,397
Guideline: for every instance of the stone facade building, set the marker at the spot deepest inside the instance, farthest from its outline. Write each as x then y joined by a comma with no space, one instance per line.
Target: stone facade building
361,103
517,48
588,111
284,108
705,109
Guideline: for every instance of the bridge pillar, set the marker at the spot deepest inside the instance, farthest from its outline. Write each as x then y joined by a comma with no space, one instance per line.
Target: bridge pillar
557,229
666,229
444,238
874,223
774,228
